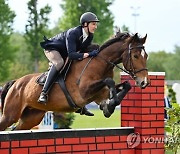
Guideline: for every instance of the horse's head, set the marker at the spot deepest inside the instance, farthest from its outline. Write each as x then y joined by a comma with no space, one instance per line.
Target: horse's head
134,60
129,50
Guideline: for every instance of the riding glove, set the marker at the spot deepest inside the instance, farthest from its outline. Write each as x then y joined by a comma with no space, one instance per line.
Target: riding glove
93,53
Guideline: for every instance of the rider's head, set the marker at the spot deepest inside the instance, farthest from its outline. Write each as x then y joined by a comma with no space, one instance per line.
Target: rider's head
89,20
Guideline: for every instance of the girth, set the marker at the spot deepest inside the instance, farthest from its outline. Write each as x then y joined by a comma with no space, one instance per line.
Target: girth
60,80
66,92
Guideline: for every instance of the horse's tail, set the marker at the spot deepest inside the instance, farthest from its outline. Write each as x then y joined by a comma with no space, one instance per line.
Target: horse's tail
4,92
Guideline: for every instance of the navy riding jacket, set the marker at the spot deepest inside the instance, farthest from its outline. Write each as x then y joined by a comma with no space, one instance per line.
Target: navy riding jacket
69,43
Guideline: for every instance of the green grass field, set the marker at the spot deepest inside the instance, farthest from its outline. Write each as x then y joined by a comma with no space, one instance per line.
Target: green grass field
97,121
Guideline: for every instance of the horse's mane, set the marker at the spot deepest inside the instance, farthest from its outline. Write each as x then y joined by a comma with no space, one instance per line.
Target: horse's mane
118,37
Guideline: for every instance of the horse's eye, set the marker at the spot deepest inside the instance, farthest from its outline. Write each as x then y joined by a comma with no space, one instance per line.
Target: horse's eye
136,56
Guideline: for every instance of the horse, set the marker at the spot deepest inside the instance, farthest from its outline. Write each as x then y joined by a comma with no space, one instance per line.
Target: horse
19,97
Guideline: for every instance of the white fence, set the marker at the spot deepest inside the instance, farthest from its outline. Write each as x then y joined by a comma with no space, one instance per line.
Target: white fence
47,122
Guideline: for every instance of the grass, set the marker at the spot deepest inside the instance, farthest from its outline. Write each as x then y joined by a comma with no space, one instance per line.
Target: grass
169,152
97,121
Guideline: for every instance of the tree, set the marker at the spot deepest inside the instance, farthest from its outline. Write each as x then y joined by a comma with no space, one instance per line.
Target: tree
6,53
74,9
22,64
157,61
63,120
165,62
36,27
172,65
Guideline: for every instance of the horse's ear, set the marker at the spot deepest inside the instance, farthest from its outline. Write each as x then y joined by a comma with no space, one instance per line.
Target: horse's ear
133,38
143,40
117,31
136,35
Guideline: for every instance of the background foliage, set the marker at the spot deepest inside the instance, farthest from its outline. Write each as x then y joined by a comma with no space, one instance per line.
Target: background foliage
36,27
172,126
6,49
74,9
163,61
21,54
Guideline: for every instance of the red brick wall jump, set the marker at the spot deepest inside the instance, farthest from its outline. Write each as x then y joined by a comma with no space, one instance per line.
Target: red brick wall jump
87,141
144,110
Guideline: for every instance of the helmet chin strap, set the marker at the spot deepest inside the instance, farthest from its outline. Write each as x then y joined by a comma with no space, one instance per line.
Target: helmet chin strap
87,28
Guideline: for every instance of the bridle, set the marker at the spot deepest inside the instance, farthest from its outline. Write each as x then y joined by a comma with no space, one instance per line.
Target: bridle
132,72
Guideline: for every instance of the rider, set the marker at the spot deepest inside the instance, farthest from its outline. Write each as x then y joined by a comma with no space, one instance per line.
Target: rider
68,44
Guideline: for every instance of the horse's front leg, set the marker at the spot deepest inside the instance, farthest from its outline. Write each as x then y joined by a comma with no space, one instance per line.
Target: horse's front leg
90,90
122,90
113,93
109,106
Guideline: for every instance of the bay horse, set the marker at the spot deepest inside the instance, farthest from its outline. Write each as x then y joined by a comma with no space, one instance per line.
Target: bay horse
19,97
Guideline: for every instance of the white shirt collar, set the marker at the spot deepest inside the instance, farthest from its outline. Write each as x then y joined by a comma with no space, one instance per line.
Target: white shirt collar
85,35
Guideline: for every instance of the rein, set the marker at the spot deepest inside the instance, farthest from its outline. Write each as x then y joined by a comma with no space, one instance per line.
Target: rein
131,72
78,81
116,65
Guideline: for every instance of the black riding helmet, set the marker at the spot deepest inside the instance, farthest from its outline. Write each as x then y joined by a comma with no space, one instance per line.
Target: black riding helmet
88,17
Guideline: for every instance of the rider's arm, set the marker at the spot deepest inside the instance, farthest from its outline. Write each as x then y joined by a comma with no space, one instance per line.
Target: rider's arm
72,46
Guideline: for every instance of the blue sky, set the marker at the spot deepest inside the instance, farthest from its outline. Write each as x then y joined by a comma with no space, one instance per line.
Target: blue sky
158,18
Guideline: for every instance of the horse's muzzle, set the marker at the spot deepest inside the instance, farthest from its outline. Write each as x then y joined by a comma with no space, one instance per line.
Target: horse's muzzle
142,82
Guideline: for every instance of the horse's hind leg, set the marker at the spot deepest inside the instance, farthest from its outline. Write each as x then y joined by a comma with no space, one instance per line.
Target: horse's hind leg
11,113
5,122
30,118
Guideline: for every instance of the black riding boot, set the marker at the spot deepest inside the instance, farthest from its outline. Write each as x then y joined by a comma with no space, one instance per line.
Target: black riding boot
52,74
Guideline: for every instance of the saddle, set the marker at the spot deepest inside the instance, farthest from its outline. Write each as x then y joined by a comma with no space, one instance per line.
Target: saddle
61,81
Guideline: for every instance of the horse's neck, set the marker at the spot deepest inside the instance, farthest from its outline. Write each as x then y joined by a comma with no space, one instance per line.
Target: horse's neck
99,66
112,53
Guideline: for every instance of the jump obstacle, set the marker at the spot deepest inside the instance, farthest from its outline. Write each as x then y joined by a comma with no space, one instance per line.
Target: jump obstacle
142,131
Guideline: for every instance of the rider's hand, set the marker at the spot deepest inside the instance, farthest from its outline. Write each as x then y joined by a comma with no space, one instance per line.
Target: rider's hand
93,53
85,55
